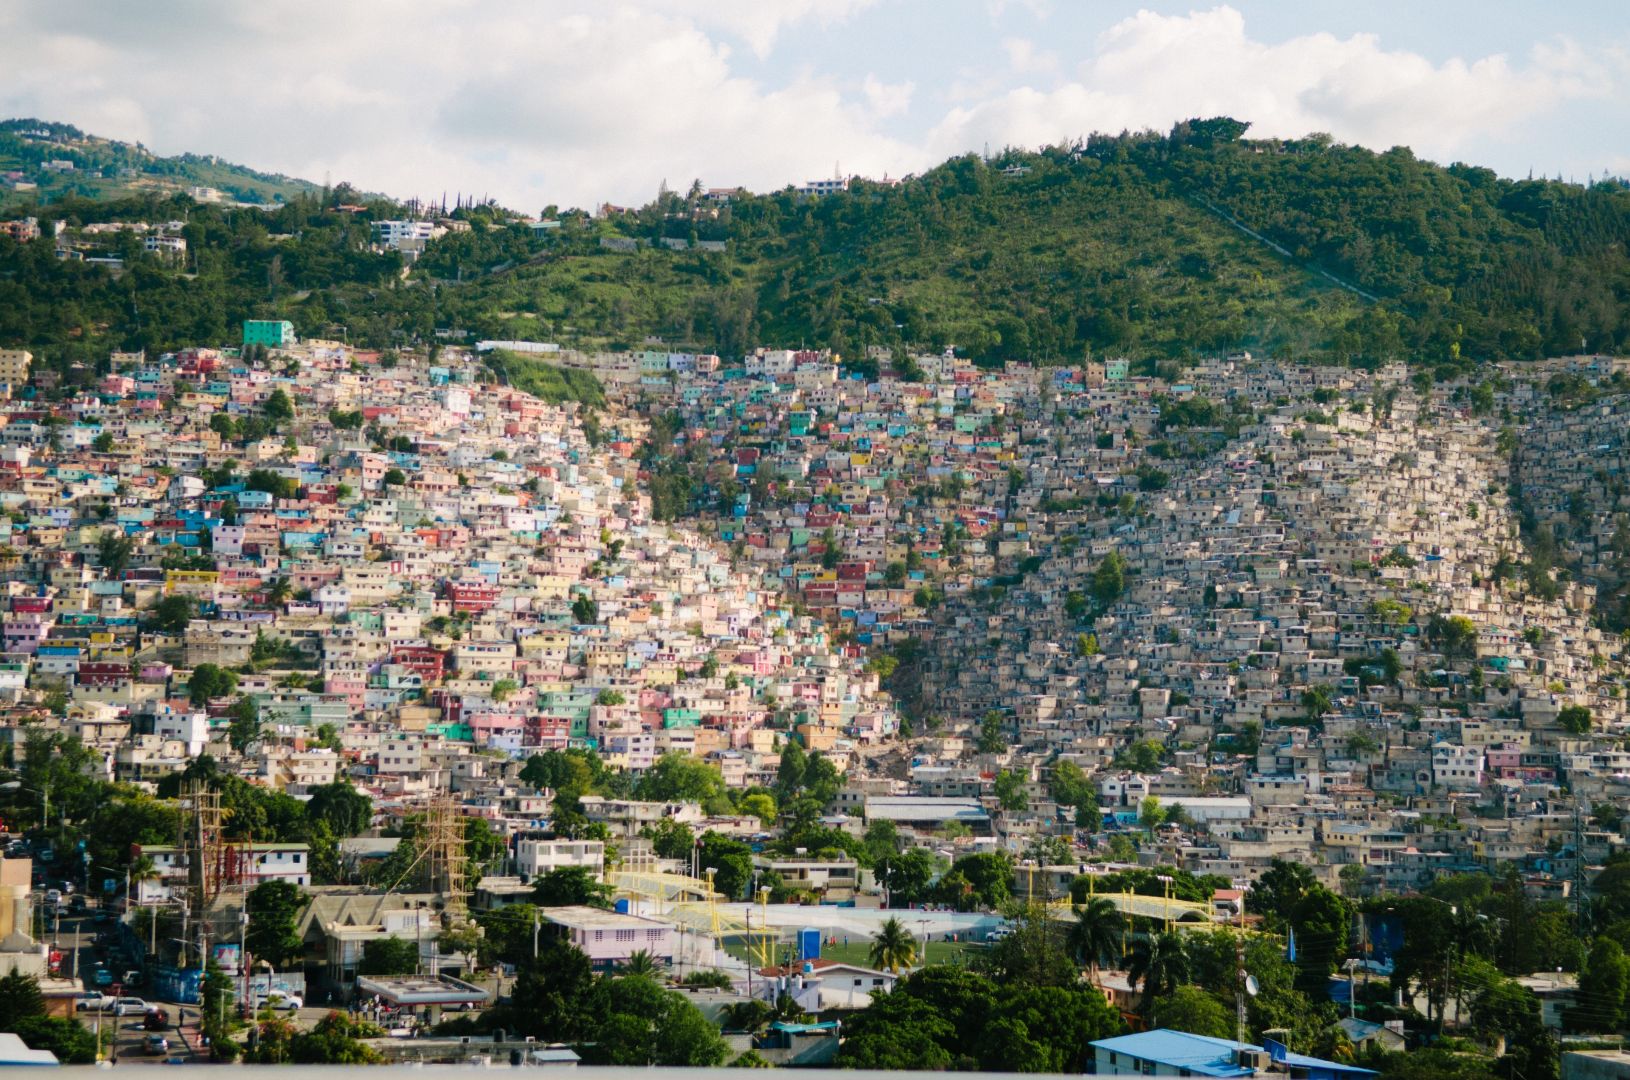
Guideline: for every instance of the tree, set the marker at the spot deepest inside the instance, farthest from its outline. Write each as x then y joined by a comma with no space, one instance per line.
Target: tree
336,1039
20,997
988,877
585,610
1280,888
1109,580
908,876
1160,964
69,1040
506,934
1322,921
217,1014
244,727
1010,791
1574,719
881,840
1317,701
389,956
1191,1009
346,810
822,780
279,407
1454,635
393,478
640,963
682,777
1602,988
789,771
172,613
571,772
113,551
992,739
1095,936
550,1001
208,682
893,947
732,863
760,804
1143,756
671,839
1151,815
571,886
1033,953
638,1023
272,935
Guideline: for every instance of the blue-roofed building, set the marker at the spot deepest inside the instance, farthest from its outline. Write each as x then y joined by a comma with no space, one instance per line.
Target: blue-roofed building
1177,1053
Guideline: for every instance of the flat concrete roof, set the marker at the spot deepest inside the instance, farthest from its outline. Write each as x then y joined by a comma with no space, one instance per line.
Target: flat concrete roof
582,917
422,989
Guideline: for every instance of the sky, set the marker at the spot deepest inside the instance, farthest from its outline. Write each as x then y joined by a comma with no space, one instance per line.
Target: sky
578,102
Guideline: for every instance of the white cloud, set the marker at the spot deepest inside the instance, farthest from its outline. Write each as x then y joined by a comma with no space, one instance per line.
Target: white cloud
1151,70
887,99
578,101
1024,57
573,104
760,22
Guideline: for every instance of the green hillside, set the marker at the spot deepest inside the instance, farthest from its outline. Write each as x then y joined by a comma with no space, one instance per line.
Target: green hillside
1152,246
1134,244
107,169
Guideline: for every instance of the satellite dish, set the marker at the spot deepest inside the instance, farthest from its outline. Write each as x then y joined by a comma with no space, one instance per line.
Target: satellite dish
1250,985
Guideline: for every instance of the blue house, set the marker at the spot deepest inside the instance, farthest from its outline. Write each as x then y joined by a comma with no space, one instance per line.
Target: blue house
1163,1052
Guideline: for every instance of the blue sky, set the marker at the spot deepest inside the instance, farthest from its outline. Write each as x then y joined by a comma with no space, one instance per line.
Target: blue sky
574,101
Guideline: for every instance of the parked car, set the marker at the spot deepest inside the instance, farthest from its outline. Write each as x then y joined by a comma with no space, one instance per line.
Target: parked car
156,1020
279,1000
103,978
156,1044
89,1001
53,897
132,977
130,1006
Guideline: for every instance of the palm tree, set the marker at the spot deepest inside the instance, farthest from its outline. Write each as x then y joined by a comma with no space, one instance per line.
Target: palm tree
142,868
1096,935
1161,963
893,947
639,962
279,592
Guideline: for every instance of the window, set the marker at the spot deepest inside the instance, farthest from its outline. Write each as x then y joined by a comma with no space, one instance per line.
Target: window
625,935
599,935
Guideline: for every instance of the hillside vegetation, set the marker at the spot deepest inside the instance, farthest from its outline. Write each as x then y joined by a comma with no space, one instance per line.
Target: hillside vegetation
544,380
1138,245
106,168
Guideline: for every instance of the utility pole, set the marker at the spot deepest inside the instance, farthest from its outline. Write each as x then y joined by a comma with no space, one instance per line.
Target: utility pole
1243,975
1581,910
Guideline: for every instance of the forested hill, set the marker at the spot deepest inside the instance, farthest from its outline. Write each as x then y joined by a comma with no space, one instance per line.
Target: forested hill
1151,246
34,151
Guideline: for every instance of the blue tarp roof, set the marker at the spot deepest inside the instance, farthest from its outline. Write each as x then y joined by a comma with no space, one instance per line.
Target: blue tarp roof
1202,1055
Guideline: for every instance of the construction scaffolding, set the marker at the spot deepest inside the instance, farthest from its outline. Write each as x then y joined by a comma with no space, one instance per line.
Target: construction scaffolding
444,852
211,862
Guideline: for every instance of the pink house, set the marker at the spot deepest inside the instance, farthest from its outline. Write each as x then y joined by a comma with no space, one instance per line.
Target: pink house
609,938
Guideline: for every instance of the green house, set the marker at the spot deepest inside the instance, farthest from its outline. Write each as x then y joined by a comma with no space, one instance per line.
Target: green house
272,333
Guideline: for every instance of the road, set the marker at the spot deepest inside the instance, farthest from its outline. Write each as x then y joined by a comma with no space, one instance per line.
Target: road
86,946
